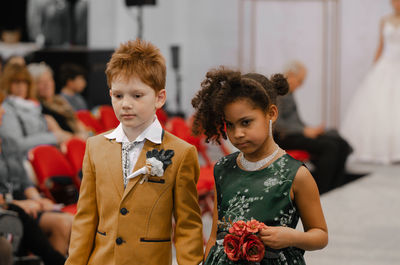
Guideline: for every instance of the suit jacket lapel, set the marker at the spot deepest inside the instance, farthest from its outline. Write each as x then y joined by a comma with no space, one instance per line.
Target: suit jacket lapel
115,166
141,162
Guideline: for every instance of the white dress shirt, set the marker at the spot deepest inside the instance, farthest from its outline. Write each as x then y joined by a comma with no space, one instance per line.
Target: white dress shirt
152,133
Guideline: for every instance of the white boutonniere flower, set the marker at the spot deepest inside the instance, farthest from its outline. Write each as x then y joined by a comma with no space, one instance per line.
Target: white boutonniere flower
156,163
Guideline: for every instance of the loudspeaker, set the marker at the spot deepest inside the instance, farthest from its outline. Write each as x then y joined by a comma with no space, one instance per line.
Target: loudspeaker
140,2
175,56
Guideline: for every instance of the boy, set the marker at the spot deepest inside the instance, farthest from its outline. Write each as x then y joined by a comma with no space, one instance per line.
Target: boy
129,221
73,82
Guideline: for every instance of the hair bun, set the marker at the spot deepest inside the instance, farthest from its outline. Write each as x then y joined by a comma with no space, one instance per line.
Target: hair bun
280,84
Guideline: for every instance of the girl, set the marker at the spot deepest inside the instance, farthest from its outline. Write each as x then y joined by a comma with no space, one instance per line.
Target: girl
260,181
363,126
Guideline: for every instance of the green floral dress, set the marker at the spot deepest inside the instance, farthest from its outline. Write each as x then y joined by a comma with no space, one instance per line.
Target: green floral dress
263,195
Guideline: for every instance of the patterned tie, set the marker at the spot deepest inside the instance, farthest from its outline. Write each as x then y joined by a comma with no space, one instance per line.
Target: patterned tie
126,147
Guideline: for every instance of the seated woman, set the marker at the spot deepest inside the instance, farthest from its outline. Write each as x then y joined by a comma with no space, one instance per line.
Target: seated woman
55,105
23,119
18,194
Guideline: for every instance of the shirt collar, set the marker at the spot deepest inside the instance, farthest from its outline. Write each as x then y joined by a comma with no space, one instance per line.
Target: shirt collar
152,133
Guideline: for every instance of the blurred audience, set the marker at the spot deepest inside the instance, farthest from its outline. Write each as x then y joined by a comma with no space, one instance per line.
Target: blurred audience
55,105
23,120
73,82
15,59
6,255
328,150
17,193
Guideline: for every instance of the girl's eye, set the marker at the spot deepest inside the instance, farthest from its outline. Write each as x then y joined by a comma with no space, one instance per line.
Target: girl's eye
246,122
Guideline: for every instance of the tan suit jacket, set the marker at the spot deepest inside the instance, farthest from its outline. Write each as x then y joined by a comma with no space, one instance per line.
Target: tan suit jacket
117,226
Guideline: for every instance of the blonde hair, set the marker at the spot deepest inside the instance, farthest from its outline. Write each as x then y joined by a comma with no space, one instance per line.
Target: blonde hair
15,72
38,69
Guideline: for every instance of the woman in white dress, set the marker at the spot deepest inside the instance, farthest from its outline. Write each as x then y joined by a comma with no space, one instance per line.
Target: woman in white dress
372,124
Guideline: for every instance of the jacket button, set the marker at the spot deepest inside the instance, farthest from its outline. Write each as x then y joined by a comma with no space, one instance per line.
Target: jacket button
123,211
119,241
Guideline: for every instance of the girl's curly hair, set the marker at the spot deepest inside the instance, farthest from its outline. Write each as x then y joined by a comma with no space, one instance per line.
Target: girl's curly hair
223,86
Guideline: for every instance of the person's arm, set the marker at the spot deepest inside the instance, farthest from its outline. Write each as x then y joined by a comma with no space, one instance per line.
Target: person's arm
381,42
313,132
86,219
32,193
12,128
60,134
315,235
188,226
213,235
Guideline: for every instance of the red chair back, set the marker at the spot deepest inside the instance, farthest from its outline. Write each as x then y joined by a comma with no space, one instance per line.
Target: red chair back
90,121
107,117
162,117
48,161
74,150
300,155
178,127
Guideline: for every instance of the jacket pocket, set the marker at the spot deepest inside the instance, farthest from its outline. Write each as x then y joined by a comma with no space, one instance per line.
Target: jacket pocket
148,239
101,233
156,180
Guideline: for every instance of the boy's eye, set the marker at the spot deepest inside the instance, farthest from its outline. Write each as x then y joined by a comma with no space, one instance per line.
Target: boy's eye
117,96
138,95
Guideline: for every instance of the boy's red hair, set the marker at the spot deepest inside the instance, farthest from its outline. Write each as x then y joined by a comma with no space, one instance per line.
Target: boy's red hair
138,58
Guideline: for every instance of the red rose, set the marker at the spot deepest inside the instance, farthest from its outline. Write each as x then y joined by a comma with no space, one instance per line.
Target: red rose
238,228
252,248
231,247
253,226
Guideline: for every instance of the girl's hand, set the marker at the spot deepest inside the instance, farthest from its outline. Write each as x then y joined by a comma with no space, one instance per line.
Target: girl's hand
30,207
278,237
46,204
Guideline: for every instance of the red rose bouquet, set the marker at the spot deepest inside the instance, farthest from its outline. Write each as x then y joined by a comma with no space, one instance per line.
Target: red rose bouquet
242,242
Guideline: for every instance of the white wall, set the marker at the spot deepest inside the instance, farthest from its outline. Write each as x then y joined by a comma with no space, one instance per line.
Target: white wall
208,33
288,31
205,30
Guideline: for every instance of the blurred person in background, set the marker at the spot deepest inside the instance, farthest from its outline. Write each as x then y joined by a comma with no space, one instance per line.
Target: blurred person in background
328,150
55,105
6,255
23,119
18,194
372,120
73,82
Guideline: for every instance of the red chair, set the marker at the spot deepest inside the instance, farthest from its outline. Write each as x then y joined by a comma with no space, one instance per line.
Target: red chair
48,162
74,151
300,155
162,117
178,127
107,117
90,121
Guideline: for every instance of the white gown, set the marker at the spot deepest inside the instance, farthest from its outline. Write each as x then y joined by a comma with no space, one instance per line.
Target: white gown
372,123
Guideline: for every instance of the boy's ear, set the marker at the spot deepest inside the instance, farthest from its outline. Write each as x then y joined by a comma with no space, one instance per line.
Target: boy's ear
161,97
110,93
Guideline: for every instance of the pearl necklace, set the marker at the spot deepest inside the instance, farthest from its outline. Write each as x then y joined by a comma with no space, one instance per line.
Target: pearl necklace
252,166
